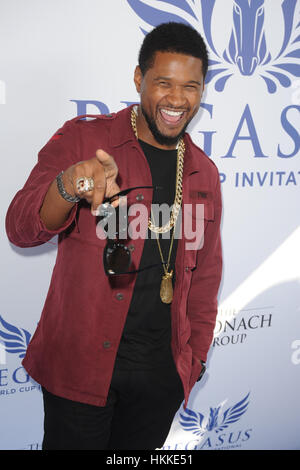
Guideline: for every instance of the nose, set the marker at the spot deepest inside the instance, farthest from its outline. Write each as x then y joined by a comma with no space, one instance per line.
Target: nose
176,96
247,65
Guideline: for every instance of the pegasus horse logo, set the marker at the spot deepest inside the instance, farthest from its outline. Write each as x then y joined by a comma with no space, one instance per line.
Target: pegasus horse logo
198,425
247,51
247,42
15,340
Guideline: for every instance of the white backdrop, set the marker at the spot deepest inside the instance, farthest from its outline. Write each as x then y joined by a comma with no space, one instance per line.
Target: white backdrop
60,58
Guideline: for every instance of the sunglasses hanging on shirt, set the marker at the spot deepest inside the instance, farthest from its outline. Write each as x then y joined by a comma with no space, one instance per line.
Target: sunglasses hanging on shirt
117,255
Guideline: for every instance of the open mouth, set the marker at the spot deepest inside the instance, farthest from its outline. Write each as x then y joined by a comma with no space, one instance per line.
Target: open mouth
171,117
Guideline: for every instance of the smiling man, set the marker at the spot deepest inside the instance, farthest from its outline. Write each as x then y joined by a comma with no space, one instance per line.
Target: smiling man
127,324
170,88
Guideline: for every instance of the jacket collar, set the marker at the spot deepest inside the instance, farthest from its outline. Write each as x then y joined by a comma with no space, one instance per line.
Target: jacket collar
122,132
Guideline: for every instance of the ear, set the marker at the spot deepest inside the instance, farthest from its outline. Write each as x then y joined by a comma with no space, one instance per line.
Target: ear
138,77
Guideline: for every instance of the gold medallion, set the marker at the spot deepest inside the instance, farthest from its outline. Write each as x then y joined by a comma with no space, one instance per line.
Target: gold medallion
166,288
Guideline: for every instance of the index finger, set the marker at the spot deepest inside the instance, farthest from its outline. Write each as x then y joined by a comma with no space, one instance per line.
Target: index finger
108,163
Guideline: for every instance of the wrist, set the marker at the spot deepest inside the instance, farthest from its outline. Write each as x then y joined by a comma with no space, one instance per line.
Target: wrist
68,183
203,364
65,188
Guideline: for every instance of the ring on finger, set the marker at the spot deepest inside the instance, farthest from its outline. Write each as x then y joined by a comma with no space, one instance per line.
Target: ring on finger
84,184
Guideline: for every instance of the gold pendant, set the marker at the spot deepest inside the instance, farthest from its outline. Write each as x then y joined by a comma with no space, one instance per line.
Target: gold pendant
166,288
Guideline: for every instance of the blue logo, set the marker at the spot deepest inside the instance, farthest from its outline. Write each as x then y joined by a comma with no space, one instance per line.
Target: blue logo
198,424
247,50
15,340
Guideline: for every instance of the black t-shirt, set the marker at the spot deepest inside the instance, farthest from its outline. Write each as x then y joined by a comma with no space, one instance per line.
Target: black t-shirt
146,339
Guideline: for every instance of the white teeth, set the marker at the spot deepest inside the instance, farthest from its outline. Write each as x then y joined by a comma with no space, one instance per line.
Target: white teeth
172,113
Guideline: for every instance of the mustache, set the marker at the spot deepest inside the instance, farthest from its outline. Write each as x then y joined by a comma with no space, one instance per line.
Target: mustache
158,136
174,108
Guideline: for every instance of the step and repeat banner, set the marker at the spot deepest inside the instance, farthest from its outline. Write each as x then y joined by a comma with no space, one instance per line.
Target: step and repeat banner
62,58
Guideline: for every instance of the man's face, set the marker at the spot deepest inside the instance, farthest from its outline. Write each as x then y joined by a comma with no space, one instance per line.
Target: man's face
170,93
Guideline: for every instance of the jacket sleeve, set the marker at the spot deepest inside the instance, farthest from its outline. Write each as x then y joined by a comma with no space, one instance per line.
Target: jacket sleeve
23,224
202,301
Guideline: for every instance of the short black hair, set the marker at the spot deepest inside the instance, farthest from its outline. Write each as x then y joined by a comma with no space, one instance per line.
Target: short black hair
172,37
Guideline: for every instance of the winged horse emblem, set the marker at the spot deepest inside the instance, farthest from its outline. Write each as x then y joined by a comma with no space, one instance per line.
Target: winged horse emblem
198,425
247,50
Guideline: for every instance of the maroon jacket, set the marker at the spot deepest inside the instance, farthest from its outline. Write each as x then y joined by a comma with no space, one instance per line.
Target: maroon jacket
73,350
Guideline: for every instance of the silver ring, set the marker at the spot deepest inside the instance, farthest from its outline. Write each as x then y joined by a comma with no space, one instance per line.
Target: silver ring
84,184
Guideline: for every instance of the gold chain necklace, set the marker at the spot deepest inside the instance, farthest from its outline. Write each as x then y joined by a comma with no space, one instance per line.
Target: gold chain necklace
178,194
166,287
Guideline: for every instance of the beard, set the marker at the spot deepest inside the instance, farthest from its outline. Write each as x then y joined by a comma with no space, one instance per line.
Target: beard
162,139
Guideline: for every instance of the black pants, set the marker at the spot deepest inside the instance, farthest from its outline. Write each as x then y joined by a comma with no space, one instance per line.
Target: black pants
139,412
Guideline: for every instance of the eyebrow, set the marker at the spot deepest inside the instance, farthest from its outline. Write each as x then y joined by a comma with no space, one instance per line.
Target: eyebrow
195,81
168,78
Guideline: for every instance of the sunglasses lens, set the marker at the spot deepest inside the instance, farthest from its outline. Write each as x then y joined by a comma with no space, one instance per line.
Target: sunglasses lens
116,258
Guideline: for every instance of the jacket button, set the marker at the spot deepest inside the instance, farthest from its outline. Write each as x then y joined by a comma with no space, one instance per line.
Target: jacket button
119,296
187,268
106,344
139,197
